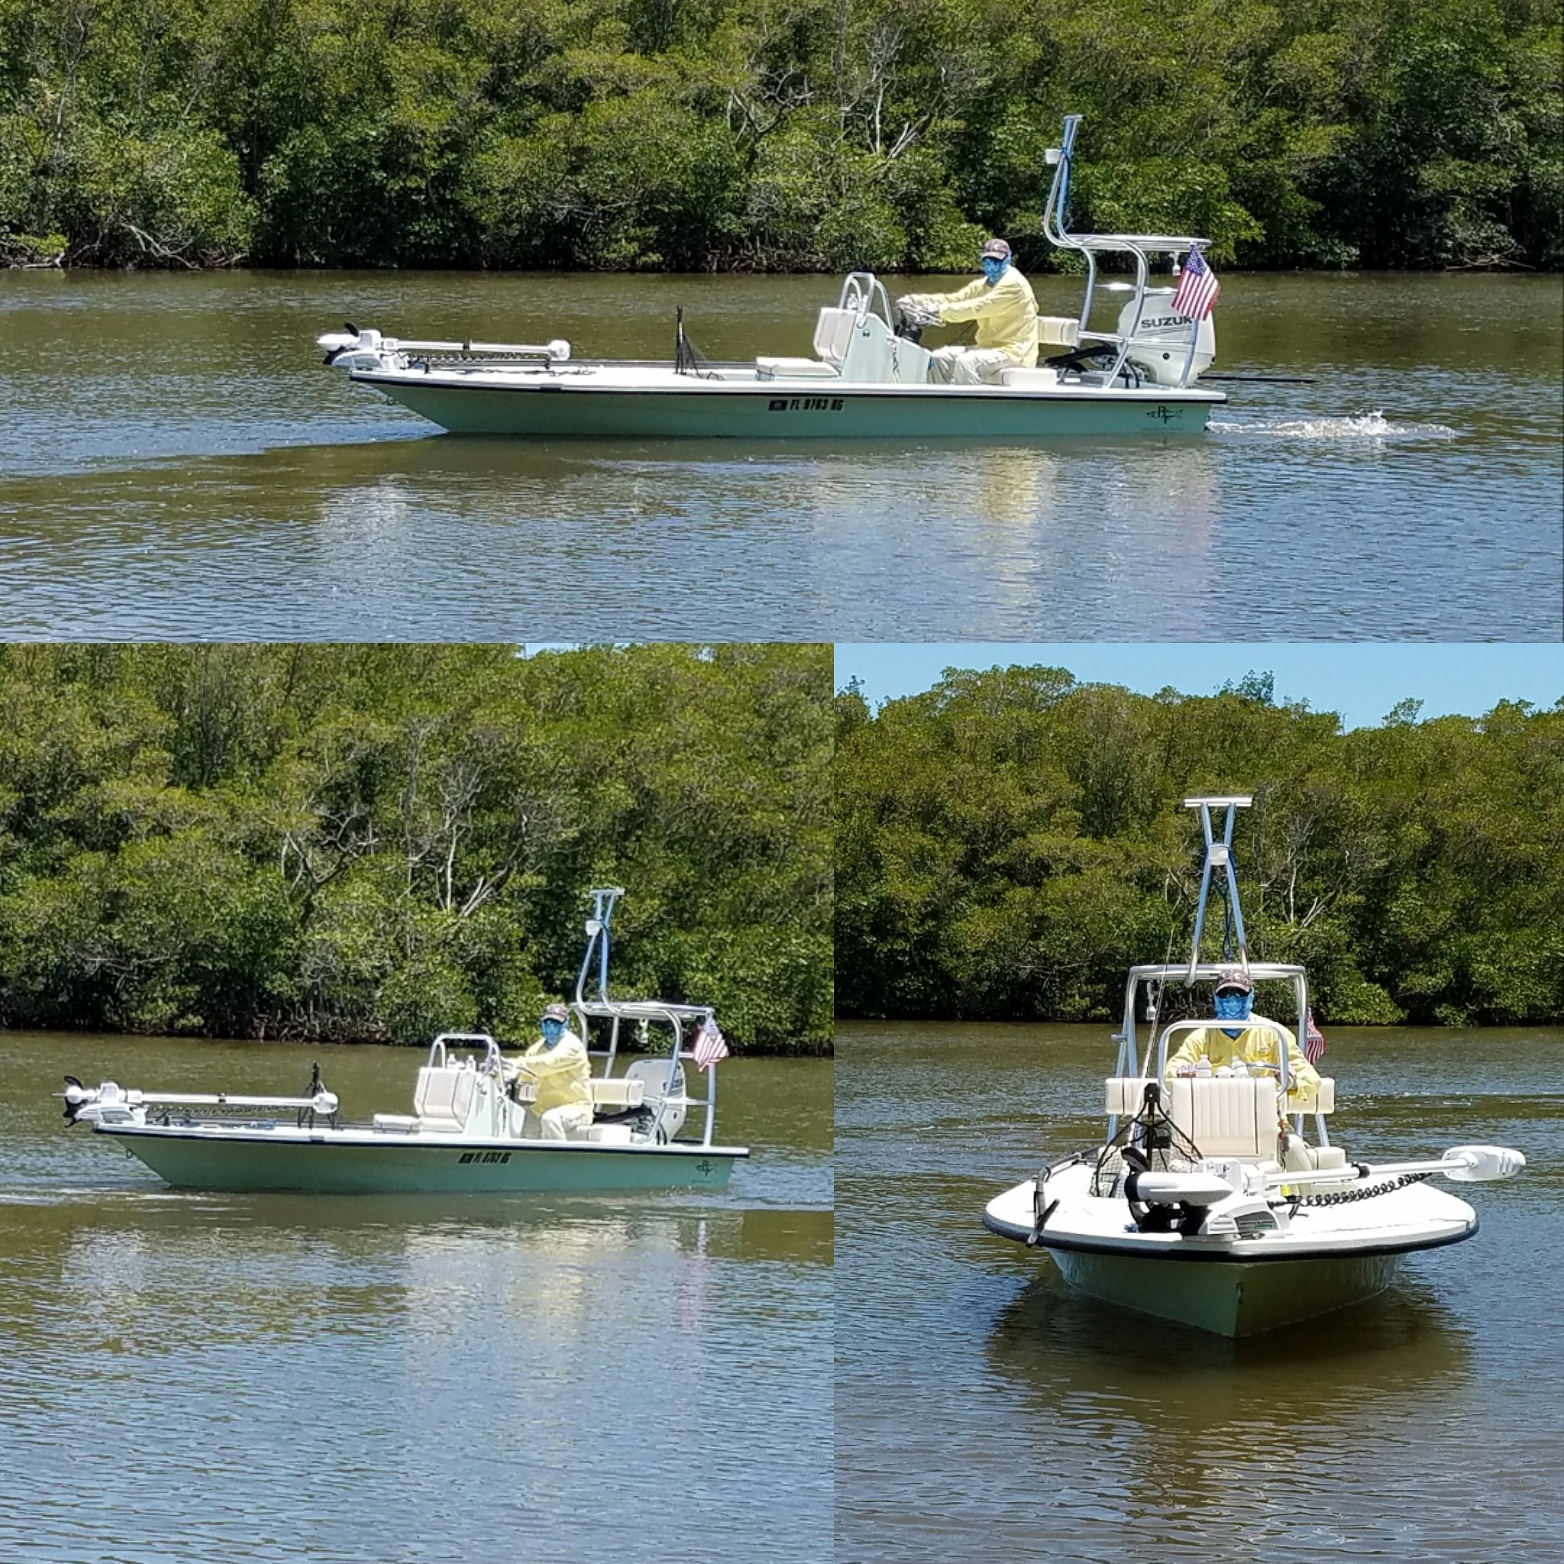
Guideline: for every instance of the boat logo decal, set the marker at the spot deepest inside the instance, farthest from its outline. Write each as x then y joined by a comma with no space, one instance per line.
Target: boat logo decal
484,1156
805,404
704,1165
1166,415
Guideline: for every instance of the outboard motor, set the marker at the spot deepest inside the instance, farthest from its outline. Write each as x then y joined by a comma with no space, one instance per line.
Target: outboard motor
1162,343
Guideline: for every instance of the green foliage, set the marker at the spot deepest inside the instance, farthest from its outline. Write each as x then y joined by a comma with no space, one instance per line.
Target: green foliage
380,842
790,134
1011,841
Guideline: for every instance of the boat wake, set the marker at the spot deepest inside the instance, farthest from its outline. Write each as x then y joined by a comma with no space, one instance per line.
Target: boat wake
1365,426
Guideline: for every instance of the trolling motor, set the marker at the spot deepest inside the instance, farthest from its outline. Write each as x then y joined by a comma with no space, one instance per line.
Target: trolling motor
365,348
112,1103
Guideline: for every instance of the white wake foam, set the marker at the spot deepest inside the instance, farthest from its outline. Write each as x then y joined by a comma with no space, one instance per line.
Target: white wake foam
1364,426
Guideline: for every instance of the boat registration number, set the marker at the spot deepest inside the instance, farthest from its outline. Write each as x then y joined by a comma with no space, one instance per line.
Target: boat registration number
484,1156
805,404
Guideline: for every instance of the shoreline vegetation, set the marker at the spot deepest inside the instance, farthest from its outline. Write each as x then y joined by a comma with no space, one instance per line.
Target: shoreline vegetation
378,843
773,135
1010,842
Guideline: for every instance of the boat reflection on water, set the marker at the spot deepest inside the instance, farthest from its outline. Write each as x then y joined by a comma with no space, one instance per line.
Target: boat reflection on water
363,1264
1204,1432
1059,1342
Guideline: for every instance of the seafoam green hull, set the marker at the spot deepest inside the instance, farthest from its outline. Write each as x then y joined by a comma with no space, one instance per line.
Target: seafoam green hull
1229,1298
329,1163
704,411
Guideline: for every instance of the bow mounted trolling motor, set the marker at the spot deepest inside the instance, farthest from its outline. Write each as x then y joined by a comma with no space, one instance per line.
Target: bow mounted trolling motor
111,1103
356,348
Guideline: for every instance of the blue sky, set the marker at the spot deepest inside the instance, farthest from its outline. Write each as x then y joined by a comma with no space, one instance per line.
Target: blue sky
1360,680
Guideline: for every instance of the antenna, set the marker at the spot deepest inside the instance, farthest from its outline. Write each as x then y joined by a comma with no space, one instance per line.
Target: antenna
1218,855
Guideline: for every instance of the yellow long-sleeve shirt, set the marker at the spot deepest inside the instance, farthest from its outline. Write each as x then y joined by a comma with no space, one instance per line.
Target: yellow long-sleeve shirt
563,1073
1254,1045
1005,313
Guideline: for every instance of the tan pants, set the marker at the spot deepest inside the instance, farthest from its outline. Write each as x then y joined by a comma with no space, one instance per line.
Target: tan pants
968,366
570,1122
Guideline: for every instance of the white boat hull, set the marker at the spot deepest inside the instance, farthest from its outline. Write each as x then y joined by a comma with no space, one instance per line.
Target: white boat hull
653,404
1232,1299
348,1161
1330,1256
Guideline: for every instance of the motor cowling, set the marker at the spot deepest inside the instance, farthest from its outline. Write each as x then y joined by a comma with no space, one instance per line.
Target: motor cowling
1161,342
355,349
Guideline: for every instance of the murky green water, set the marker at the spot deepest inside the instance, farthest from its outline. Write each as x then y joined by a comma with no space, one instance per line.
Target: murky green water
986,1413
216,1378
174,462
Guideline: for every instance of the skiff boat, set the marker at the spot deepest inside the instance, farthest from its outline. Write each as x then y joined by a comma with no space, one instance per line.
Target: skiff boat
867,377
1207,1203
468,1132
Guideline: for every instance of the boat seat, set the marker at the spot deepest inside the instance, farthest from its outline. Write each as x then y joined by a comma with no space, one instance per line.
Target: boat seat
1322,1101
1029,379
1126,1093
611,1134
620,1091
1059,331
1224,1117
443,1098
795,369
834,333
1323,1157
1234,1117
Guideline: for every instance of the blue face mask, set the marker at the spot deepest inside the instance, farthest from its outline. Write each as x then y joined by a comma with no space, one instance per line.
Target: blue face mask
552,1032
993,267
1233,1006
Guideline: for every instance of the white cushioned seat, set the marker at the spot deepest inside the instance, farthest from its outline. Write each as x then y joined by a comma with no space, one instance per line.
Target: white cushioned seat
1323,1101
1059,331
1224,1117
795,369
834,333
1124,1094
621,1091
1029,379
443,1098
1233,1117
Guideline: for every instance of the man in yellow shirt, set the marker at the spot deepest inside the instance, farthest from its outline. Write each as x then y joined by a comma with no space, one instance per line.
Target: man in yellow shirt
1002,304
557,1064
1254,1045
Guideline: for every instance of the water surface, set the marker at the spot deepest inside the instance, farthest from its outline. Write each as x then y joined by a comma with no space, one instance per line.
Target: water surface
985,1412
474,1381
174,462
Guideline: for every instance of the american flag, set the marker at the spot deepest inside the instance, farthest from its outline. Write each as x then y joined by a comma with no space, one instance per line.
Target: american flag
1313,1040
1195,296
710,1045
